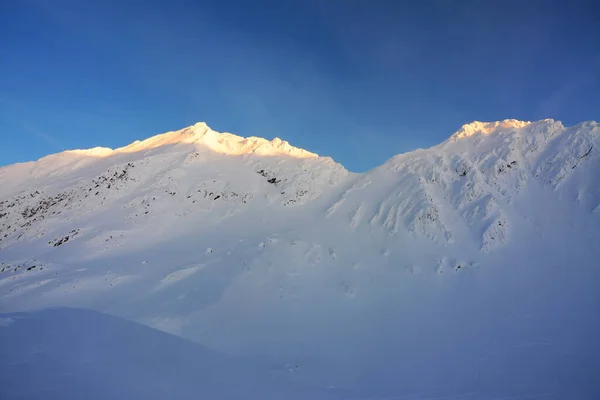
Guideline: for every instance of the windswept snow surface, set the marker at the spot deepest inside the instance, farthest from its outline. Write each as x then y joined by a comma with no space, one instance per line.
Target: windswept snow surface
83,354
465,271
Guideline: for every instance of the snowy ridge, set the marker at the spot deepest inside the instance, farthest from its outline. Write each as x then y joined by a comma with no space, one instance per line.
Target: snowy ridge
485,128
475,176
482,249
200,134
465,184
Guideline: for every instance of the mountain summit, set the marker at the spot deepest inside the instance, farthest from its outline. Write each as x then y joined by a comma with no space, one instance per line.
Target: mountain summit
481,249
486,128
200,134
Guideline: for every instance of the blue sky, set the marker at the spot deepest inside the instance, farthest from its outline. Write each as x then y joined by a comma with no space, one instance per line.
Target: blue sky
356,80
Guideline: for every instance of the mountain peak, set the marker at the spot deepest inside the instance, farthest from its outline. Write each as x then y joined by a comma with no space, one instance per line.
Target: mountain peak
202,135
486,128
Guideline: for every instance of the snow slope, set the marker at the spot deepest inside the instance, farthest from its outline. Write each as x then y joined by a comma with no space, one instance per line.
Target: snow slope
465,271
82,354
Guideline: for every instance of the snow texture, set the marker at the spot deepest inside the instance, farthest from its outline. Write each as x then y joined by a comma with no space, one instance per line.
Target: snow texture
468,270
83,354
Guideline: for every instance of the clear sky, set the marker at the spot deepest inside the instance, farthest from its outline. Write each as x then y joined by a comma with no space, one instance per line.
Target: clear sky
356,80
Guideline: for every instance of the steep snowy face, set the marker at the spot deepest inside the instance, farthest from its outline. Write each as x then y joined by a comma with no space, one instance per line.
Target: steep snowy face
468,188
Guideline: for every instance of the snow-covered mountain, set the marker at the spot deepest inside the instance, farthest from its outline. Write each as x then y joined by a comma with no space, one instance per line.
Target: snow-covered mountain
467,269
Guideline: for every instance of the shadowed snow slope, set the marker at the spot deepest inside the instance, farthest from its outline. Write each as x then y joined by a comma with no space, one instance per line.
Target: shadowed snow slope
465,271
81,354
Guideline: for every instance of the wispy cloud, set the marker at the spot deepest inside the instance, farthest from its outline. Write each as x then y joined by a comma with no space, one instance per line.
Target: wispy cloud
552,106
22,116
48,138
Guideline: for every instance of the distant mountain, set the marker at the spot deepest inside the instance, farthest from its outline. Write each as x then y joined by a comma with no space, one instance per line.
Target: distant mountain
469,268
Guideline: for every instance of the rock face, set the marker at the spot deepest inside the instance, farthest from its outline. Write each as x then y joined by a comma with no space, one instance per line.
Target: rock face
250,246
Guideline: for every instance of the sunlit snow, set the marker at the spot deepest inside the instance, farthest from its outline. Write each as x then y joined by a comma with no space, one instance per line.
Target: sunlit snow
465,271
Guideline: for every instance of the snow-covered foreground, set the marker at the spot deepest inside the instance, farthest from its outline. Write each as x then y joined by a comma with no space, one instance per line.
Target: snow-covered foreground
466,271
82,354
